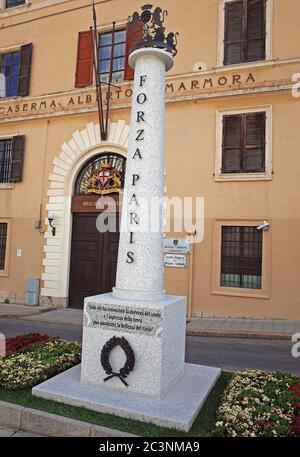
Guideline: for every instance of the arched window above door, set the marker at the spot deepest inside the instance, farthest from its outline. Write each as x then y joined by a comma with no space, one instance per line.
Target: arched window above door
101,175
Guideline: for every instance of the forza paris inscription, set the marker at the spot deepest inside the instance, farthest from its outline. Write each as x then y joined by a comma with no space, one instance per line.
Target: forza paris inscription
140,118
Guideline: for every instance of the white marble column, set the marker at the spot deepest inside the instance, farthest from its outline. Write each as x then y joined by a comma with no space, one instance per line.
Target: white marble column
140,259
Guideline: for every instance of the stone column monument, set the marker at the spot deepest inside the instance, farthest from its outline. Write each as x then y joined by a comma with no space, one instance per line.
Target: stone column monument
140,260
133,357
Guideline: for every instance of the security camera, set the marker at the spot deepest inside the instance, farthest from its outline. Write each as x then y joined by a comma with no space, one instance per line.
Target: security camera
264,226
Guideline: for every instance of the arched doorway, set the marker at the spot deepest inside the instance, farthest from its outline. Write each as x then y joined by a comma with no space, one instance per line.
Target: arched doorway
94,253
74,153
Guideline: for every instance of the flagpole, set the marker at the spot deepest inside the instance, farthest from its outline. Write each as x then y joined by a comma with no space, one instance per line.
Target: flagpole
97,75
110,74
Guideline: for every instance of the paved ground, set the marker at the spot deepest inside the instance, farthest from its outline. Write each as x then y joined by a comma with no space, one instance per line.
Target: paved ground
228,353
13,310
236,354
14,327
203,326
6,432
250,328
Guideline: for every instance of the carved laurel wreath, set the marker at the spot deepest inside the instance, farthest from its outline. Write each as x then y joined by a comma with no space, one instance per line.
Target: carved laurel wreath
128,365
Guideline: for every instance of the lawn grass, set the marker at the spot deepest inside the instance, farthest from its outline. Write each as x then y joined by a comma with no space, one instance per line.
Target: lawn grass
203,425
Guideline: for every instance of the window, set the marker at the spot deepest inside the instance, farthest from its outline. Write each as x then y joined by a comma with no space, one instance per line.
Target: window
244,31
5,160
124,40
11,159
10,68
241,257
243,149
11,3
3,242
105,47
15,70
244,144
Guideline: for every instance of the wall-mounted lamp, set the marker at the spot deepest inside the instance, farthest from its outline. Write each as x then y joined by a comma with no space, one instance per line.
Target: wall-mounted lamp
264,226
51,217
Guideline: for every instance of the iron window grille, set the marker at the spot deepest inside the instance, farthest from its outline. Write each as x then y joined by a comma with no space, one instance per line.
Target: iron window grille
12,3
3,239
10,68
5,160
118,66
241,257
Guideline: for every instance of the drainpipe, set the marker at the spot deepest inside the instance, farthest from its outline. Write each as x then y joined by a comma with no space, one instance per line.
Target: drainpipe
190,290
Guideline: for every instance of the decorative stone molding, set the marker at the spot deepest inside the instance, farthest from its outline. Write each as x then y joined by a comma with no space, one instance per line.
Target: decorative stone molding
66,165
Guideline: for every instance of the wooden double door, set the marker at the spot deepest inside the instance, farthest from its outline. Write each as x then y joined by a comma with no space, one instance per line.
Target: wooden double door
93,258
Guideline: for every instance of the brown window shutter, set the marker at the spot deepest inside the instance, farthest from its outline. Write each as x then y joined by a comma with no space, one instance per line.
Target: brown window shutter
17,158
84,65
25,68
255,144
133,36
3,241
232,144
234,32
255,46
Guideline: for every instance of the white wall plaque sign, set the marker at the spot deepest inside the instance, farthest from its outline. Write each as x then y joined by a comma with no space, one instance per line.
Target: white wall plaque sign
176,246
175,260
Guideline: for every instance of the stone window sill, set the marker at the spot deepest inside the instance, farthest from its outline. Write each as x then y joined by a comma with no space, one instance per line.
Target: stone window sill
243,177
7,185
237,292
4,12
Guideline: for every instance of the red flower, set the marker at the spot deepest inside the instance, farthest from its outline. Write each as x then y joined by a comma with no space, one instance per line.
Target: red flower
22,342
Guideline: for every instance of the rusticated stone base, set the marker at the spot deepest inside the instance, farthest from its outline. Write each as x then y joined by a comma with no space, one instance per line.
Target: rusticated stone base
54,302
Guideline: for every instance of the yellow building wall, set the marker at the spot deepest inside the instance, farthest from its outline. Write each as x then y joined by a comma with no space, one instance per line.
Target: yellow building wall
190,149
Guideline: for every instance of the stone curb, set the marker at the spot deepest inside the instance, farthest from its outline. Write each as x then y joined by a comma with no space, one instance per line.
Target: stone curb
49,322
24,315
239,334
31,420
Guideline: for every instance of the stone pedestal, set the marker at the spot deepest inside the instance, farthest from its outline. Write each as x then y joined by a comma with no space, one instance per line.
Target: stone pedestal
177,409
154,329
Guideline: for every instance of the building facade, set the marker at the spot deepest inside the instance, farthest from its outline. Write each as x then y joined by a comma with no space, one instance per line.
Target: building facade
232,138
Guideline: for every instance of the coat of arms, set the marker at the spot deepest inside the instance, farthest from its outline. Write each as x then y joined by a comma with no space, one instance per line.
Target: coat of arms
104,180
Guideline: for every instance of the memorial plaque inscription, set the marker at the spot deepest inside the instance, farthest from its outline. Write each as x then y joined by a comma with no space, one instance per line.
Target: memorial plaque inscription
142,321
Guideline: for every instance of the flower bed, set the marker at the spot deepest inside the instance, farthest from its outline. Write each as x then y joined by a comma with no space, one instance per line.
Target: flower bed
37,363
256,404
295,388
22,342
